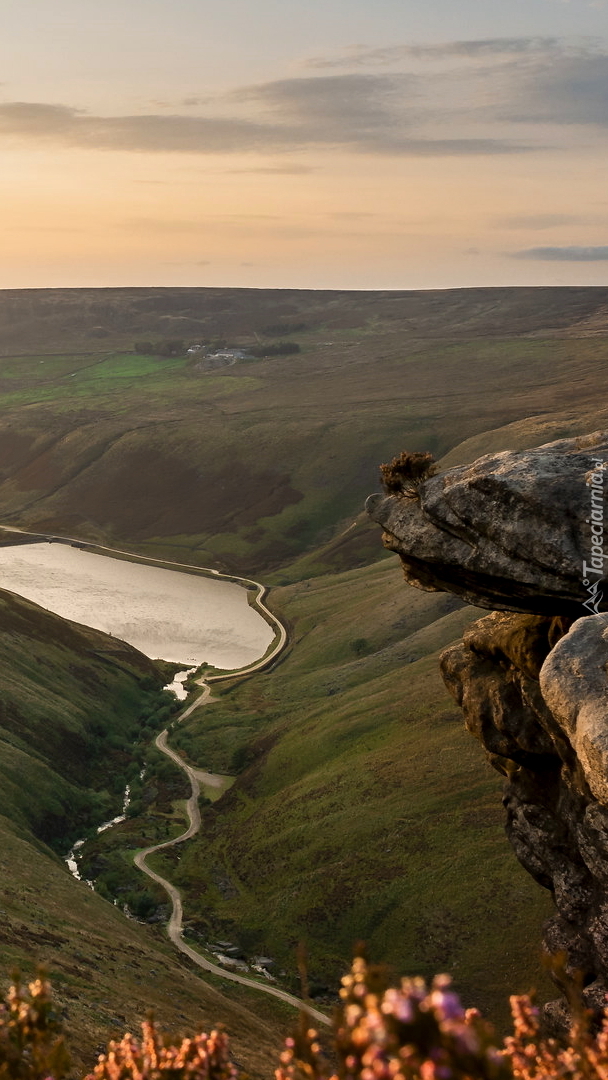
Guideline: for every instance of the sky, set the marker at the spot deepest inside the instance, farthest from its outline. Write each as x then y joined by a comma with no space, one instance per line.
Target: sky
335,144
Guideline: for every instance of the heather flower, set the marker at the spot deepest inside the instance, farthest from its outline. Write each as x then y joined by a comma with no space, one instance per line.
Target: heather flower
381,1033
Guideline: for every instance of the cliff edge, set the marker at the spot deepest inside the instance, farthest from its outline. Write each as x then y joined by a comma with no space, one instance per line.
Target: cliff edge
522,533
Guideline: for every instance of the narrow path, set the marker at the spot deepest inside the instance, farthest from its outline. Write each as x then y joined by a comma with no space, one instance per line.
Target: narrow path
174,926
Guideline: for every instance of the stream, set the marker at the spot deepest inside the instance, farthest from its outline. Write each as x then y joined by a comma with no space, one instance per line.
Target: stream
71,859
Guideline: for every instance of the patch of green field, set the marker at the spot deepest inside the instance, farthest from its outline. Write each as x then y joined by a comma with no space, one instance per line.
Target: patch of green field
128,366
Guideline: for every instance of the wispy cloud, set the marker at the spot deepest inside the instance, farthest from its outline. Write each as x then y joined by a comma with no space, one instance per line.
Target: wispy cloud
565,89
538,221
351,215
43,229
564,254
460,98
279,170
506,81
146,133
363,114
392,55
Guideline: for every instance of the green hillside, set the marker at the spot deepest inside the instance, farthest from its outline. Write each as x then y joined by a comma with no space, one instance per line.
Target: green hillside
73,703
252,465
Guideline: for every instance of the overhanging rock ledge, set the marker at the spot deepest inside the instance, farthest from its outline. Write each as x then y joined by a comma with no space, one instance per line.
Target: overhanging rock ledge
509,532
512,532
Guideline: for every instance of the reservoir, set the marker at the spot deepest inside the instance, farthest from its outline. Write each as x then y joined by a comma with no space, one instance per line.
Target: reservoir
166,614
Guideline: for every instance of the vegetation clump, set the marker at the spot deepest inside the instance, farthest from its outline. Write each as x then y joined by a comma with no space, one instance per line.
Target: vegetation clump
409,1032
281,348
169,347
31,1043
204,1057
404,474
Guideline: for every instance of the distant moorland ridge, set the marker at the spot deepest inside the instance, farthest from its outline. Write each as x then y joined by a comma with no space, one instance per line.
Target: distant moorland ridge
46,319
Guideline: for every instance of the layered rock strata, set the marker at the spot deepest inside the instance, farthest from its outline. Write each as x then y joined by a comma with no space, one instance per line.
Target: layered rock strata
522,533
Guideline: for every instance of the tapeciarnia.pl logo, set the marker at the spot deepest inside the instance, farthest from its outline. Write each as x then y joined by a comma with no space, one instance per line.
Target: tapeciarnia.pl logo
595,568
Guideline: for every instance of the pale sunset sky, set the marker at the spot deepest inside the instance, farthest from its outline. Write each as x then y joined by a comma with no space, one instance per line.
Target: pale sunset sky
347,144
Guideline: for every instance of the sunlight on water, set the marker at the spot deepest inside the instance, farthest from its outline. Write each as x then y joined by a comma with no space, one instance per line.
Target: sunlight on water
165,614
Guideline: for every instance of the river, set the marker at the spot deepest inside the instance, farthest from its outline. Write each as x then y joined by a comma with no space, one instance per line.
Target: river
166,614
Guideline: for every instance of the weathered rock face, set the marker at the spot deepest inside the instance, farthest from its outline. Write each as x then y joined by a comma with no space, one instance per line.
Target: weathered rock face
541,730
512,531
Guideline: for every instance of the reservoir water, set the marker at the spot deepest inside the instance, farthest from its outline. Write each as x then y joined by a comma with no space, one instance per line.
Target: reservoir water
166,614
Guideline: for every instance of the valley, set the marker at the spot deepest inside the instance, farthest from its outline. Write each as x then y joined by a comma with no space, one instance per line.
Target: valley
361,809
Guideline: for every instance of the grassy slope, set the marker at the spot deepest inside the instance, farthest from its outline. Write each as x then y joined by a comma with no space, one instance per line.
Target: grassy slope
365,811
108,972
70,702
255,465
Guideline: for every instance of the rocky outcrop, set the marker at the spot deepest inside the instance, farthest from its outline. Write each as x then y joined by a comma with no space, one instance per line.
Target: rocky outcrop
513,531
521,682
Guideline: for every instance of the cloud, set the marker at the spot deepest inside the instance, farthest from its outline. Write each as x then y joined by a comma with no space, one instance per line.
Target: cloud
337,109
502,81
279,170
563,254
368,113
146,133
363,56
158,224
43,229
569,89
536,221
456,99
28,119
360,113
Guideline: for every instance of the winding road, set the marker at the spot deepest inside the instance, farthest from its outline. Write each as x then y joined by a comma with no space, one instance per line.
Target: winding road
174,926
